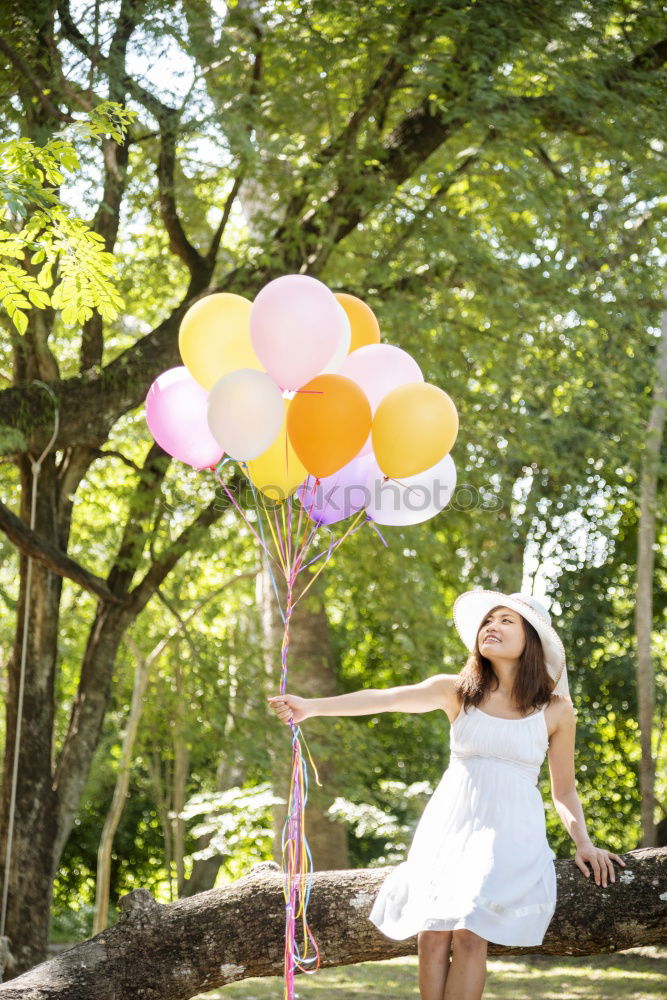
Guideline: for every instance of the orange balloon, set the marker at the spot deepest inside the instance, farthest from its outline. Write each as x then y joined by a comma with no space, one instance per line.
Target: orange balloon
414,427
365,327
328,421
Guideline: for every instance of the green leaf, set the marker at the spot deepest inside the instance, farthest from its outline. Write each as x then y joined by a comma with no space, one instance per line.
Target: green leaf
20,321
39,298
69,315
45,276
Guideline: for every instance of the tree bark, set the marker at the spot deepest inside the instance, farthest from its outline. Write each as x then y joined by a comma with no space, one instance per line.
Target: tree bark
646,536
180,949
36,815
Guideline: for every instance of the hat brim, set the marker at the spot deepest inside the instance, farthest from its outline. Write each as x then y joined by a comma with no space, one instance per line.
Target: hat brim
471,608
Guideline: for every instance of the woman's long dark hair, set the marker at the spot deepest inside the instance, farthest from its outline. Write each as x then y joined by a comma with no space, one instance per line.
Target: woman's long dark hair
532,685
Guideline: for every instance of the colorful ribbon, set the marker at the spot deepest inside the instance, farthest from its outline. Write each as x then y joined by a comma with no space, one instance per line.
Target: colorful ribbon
292,539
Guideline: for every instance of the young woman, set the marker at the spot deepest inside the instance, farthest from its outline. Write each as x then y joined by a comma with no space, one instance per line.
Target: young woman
480,868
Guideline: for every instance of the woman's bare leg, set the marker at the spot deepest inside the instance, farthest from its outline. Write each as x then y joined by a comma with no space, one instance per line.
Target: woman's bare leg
467,973
433,963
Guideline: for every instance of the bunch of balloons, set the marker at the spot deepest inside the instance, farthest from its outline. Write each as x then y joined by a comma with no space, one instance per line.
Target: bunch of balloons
297,387
326,423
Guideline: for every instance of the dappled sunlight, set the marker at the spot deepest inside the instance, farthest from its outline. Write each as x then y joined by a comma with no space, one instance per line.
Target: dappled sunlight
638,974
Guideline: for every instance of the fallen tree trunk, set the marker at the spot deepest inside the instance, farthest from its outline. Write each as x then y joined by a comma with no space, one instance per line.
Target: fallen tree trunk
175,951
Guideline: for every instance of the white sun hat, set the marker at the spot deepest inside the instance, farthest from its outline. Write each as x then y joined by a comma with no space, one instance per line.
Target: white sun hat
471,608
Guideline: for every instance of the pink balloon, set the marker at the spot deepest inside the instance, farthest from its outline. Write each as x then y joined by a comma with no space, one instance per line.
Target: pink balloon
377,369
176,417
295,328
337,496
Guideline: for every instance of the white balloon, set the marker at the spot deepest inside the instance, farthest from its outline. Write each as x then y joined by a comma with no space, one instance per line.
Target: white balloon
343,348
413,499
245,411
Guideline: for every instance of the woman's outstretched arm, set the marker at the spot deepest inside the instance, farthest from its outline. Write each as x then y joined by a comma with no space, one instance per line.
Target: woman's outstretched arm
566,800
426,696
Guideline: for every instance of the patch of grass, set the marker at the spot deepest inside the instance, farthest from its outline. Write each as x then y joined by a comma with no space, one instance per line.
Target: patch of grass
638,974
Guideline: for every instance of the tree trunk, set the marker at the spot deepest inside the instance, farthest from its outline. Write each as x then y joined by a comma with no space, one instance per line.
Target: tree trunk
178,950
646,537
311,674
32,863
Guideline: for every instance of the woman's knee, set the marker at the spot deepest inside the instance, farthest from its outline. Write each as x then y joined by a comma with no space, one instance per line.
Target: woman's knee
434,941
465,940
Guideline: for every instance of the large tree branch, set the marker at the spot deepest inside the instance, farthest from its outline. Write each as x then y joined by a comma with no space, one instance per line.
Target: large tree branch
137,522
107,630
179,244
225,935
163,565
167,117
226,212
90,404
427,127
375,100
31,544
35,84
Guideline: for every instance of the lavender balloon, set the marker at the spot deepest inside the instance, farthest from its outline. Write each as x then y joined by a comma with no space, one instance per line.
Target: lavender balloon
176,417
337,496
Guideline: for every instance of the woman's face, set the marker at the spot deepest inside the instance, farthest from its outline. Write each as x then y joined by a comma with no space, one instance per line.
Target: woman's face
501,635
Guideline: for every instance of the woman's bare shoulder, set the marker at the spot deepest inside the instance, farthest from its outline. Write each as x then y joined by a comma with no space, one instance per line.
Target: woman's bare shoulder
560,711
447,687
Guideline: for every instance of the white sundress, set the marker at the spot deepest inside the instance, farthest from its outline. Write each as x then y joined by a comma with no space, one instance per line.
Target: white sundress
479,858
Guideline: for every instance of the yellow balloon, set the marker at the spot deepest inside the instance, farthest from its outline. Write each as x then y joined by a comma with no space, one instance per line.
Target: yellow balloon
365,327
214,338
278,471
414,427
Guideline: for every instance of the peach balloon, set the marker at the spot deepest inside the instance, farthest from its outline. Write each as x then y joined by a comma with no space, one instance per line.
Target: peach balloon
365,327
328,421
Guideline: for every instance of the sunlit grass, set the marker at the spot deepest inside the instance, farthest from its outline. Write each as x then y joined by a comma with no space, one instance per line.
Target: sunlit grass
638,974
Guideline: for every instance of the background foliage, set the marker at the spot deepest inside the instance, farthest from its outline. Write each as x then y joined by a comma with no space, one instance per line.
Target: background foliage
521,261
